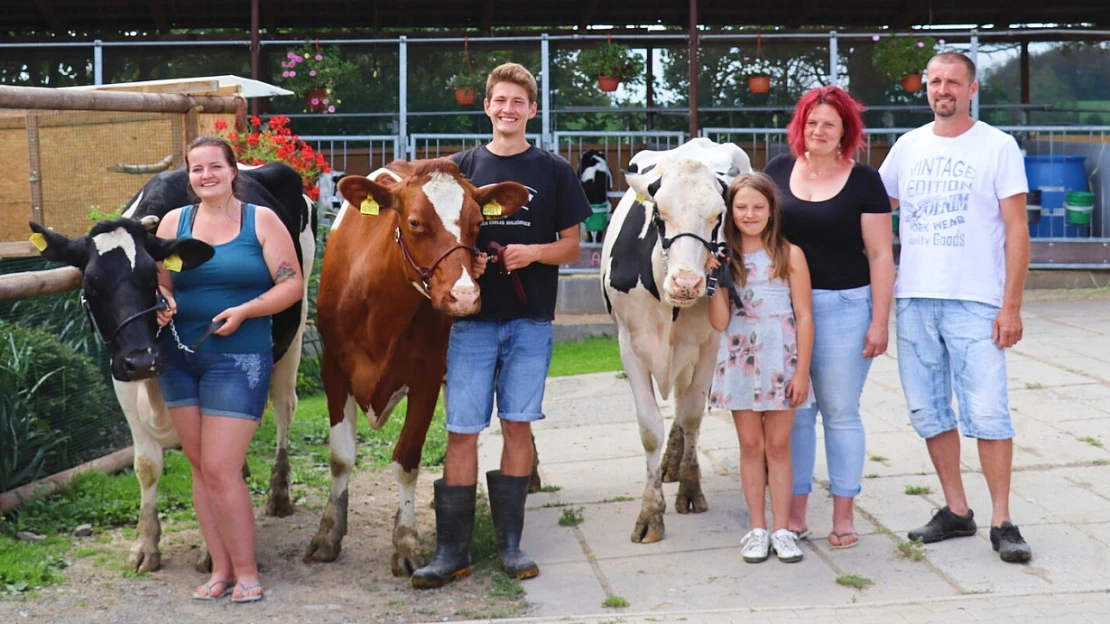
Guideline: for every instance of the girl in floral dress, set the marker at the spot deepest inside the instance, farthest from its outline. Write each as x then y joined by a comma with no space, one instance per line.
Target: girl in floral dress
762,370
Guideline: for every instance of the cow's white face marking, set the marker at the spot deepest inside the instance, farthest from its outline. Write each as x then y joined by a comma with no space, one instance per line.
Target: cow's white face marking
118,238
130,212
464,282
446,195
339,217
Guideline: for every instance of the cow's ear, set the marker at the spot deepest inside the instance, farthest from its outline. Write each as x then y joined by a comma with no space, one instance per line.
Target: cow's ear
646,185
365,195
192,252
501,200
57,248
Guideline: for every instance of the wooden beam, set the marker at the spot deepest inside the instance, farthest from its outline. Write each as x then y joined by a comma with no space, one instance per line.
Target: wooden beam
16,249
70,99
46,8
905,17
185,87
35,283
587,13
158,15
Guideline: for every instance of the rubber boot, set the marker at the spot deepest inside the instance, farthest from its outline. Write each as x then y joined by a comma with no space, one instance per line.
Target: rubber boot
454,528
506,505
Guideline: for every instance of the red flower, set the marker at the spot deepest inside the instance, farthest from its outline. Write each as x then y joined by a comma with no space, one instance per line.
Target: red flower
220,124
313,193
233,137
255,120
252,140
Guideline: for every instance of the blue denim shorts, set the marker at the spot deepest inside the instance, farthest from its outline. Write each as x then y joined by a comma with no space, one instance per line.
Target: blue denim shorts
234,385
512,356
946,343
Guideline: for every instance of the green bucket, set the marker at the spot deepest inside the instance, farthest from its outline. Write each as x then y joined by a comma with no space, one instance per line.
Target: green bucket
1079,206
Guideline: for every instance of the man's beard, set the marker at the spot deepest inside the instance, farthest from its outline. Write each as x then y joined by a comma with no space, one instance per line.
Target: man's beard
948,111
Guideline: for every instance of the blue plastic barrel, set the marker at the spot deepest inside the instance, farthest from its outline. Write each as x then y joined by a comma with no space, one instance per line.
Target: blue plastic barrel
1055,176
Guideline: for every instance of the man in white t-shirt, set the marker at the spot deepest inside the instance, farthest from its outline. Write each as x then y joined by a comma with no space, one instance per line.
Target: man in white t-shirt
961,188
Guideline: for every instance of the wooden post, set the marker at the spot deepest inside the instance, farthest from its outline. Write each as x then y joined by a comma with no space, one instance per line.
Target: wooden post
42,98
29,284
34,153
190,128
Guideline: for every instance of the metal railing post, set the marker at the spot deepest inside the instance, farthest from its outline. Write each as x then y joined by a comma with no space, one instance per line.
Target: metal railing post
98,62
545,112
975,59
402,94
834,60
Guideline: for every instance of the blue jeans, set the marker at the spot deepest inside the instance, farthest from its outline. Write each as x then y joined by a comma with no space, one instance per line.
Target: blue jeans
234,385
841,319
510,356
946,342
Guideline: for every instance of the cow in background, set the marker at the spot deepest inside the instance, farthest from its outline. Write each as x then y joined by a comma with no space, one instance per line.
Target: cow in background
118,286
597,181
397,267
654,283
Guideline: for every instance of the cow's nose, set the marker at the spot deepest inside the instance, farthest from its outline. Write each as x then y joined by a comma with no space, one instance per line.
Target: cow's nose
465,296
142,364
688,283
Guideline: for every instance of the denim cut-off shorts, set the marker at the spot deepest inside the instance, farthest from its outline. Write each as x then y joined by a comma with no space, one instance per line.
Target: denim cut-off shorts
510,356
234,385
944,343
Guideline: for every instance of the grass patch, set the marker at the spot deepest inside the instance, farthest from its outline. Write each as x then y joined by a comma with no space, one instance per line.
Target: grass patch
1093,441
871,475
877,458
1033,385
26,566
572,516
592,355
855,581
918,490
551,488
914,550
1100,462
618,499
614,602
505,586
84,552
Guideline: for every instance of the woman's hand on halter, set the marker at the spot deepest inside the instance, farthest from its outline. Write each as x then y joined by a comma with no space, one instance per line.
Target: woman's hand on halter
478,266
165,316
712,263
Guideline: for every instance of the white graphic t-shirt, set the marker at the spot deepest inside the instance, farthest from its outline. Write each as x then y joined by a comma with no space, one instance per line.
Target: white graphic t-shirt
950,226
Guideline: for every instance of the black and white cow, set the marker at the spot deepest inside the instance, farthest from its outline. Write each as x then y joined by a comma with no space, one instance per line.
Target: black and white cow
653,280
119,285
593,172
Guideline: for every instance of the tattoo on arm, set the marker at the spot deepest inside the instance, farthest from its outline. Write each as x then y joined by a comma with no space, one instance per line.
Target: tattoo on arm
284,272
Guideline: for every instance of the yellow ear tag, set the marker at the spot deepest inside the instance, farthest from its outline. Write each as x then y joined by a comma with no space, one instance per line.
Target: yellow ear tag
369,206
492,209
173,263
640,198
39,241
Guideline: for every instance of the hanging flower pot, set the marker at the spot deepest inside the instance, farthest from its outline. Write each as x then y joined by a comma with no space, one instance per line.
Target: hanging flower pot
911,83
316,99
759,84
608,84
464,96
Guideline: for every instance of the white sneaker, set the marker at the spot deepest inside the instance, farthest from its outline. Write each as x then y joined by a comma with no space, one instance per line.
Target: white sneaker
755,546
785,543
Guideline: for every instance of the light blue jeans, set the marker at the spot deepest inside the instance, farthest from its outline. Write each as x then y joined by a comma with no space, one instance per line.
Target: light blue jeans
838,370
944,343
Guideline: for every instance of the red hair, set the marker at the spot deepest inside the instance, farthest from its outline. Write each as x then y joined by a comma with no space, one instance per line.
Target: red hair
846,106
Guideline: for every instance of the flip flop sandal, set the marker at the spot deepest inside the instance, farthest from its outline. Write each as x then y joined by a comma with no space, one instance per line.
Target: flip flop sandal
209,586
802,535
244,597
840,537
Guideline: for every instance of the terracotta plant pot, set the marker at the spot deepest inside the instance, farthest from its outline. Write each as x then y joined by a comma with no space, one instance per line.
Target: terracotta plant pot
465,96
318,95
608,84
911,83
759,84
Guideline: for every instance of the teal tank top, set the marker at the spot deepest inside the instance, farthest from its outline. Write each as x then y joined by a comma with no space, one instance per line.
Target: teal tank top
236,274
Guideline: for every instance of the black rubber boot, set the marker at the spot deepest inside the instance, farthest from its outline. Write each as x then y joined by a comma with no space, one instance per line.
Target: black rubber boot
506,505
454,528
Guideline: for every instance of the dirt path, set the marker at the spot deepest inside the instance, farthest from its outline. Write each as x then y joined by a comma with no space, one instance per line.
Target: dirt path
358,587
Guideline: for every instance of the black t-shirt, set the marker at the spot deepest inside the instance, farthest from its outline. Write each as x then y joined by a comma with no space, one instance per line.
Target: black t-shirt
829,231
557,202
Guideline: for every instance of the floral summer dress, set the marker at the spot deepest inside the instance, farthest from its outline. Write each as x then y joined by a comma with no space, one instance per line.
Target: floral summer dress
759,349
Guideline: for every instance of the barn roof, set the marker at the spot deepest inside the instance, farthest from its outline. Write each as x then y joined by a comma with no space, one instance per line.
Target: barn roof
81,16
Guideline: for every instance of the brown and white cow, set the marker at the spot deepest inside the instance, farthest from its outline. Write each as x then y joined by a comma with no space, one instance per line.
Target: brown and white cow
397,267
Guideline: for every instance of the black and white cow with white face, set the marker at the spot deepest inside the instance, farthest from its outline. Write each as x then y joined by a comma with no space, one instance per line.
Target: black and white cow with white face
653,280
119,285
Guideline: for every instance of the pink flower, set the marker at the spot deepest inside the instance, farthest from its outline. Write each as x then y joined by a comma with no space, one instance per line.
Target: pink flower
312,72
315,101
285,74
941,42
290,55
875,37
292,74
299,59
325,100
319,57
921,44
331,109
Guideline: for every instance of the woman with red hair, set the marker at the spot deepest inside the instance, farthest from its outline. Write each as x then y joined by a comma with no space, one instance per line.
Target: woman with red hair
837,211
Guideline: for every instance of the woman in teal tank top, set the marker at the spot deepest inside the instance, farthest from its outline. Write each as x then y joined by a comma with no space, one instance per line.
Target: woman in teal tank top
219,357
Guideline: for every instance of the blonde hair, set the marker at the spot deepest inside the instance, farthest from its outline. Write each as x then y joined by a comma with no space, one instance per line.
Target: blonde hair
514,73
773,240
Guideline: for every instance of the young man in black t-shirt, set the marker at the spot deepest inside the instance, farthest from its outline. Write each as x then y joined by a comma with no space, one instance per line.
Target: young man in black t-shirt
505,349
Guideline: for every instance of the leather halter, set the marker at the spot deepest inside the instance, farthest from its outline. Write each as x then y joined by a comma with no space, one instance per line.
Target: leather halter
497,254
426,272
713,246
160,305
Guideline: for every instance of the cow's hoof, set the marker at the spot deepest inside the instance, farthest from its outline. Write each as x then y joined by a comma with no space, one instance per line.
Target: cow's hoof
204,561
690,499
404,565
144,559
672,457
322,550
535,484
649,528
279,505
